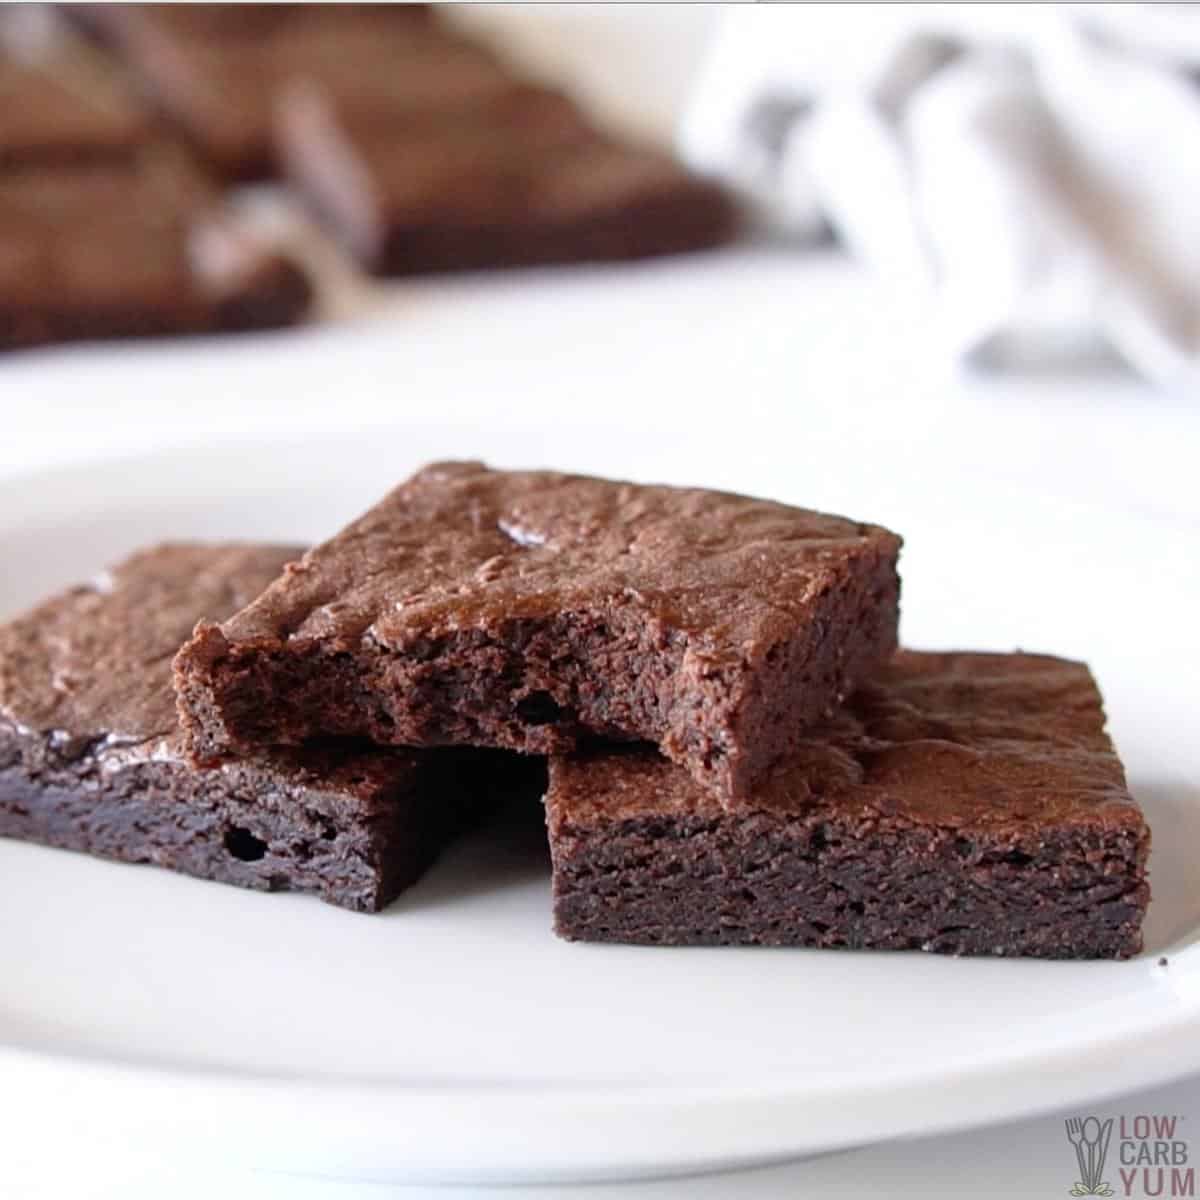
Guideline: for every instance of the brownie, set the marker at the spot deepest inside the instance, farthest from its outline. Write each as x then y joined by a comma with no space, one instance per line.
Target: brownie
91,757
960,803
132,248
515,179
66,114
117,22
528,609
216,74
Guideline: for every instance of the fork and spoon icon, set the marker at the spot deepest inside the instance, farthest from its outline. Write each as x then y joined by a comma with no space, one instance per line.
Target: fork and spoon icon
1090,1139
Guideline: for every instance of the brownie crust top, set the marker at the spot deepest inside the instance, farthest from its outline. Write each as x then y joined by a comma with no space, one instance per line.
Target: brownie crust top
93,664
969,741
462,546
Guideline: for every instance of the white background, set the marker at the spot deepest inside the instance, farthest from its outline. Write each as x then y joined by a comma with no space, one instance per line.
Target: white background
781,355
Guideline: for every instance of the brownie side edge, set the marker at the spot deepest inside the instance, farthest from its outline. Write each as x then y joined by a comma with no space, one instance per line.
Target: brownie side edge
152,816
276,294
245,824
847,882
693,215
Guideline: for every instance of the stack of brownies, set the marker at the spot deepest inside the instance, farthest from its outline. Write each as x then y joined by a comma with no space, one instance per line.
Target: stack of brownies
738,753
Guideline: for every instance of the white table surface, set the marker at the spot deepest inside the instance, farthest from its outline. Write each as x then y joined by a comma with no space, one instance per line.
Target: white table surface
759,347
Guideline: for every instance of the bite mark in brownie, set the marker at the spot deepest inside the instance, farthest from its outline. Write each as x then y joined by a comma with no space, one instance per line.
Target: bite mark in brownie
526,610
91,757
960,803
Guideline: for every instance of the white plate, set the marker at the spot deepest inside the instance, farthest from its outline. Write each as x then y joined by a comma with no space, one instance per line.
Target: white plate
454,1037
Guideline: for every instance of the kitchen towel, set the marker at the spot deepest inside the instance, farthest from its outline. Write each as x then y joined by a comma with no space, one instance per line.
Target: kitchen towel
1030,174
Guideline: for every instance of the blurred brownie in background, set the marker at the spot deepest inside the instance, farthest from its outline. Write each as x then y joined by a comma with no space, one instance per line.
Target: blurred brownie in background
108,228
76,113
417,147
215,71
118,22
519,178
120,250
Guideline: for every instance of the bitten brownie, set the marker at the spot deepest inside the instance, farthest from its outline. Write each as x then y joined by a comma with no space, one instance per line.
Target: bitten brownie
526,609
90,755
962,803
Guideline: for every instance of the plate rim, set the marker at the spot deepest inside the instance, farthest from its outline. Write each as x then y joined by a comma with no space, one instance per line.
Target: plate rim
736,1126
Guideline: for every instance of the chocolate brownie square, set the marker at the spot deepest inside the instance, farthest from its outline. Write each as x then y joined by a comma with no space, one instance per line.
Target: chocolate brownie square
514,179
67,112
960,803
225,22
122,249
107,229
528,609
216,74
91,760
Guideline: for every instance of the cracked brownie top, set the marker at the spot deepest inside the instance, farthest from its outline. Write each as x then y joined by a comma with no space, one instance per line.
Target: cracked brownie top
460,545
